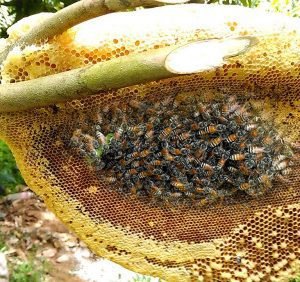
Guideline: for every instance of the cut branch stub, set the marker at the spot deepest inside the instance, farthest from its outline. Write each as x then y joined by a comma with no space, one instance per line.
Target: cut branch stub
206,55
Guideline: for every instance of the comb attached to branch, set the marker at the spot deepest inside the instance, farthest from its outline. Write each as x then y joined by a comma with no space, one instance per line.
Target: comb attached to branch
241,110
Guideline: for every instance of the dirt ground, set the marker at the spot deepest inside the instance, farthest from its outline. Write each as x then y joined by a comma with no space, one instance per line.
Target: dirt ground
32,233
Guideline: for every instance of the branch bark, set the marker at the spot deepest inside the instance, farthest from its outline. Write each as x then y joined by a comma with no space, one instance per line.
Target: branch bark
78,83
75,14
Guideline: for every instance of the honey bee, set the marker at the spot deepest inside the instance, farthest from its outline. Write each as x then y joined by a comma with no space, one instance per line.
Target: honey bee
205,166
244,186
286,171
215,142
281,165
162,177
221,163
175,151
134,190
203,111
105,109
255,150
230,107
77,133
280,158
156,163
221,127
174,121
144,153
100,137
201,150
250,126
89,142
149,134
136,104
237,157
176,103
265,180
201,203
110,179
179,185
193,171
232,169
144,174
132,171
242,145
187,166
75,139
240,114
254,133
99,118
132,155
267,140
138,130
155,191
165,133
189,194
175,195
224,109
123,162
167,156
183,136
222,119
134,164
212,195
195,126
199,189
99,165
228,179
209,130
118,133
196,114
231,138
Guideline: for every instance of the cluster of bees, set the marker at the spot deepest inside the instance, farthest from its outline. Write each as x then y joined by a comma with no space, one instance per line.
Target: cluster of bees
192,152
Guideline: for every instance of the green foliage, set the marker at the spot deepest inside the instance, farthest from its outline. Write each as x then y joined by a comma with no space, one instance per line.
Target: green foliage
142,278
10,176
3,246
297,279
288,7
28,272
12,11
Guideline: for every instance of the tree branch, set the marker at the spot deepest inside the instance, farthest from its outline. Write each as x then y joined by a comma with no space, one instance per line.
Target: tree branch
82,82
75,14
121,72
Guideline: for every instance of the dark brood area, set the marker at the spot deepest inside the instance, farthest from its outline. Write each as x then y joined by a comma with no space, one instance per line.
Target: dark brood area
195,151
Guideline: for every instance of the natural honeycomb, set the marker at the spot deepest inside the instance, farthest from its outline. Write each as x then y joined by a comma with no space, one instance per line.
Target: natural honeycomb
250,239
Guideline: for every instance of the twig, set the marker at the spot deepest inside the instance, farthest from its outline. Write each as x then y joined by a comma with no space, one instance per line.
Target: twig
75,14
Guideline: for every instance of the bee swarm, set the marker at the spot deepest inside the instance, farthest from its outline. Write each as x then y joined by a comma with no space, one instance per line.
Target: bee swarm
183,152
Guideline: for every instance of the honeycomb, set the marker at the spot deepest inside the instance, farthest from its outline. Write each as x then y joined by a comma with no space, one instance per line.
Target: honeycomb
249,239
